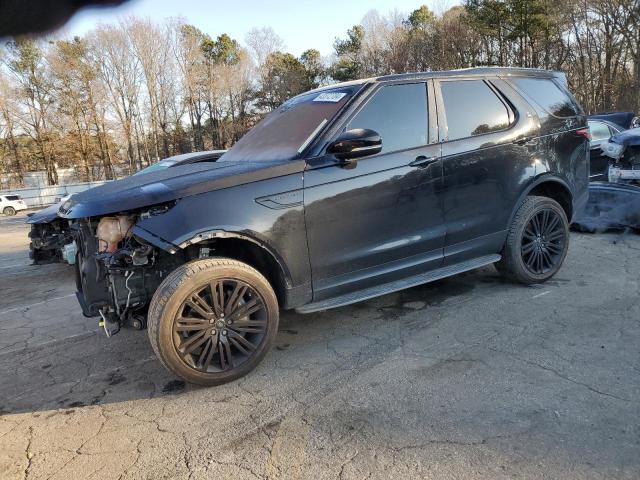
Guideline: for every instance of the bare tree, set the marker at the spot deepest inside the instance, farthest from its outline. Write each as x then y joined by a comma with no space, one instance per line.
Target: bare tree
27,64
124,95
120,72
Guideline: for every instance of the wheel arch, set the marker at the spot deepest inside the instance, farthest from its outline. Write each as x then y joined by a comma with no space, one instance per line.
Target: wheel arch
551,187
245,248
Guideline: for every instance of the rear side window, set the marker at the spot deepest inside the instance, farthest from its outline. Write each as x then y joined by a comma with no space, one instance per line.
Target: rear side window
399,114
599,131
547,95
12,198
472,108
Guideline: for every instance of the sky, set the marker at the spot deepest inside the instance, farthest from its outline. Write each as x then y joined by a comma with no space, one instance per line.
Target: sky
300,23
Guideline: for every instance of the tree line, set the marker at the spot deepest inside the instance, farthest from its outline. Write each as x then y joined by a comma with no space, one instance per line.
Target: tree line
125,95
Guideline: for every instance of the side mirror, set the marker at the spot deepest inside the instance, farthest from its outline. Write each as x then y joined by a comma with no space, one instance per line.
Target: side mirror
356,143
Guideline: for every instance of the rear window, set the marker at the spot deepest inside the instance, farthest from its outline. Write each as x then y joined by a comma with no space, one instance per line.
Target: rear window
12,198
547,95
599,131
472,108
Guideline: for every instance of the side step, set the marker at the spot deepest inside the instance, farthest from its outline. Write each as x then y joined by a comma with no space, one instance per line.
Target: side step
397,285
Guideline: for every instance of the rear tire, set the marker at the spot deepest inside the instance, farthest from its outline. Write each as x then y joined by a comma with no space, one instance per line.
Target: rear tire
537,241
9,211
212,321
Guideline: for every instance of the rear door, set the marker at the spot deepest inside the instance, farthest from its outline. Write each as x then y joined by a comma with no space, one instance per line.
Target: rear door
379,218
486,159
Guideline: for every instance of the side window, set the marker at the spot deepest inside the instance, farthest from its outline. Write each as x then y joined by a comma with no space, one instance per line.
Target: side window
472,108
599,131
547,95
399,114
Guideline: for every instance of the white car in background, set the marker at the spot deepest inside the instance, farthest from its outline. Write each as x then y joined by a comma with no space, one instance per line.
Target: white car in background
10,204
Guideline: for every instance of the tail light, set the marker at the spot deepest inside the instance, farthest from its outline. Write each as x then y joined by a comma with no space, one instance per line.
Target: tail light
584,132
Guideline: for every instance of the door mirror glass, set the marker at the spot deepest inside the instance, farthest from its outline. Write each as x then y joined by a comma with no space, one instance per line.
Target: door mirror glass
356,143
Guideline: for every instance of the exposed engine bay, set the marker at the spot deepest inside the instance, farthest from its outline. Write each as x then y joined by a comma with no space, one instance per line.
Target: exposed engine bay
624,151
51,242
615,203
117,272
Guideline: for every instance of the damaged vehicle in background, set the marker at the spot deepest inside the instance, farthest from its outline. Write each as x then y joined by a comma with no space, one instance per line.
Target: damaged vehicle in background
614,193
50,235
621,120
341,194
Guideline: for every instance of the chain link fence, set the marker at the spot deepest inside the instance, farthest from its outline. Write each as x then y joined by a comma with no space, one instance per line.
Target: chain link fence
36,197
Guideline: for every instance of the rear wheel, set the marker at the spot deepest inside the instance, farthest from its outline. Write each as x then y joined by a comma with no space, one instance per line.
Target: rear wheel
9,211
537,242
212,321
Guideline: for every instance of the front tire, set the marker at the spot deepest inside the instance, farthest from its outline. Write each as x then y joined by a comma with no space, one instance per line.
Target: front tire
537,241
9,211
212,321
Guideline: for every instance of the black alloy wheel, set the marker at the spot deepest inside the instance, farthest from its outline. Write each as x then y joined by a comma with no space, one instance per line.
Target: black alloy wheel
537,241
543,242
219,326
213,320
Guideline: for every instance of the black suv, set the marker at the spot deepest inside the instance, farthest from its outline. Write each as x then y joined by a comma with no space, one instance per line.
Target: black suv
341,194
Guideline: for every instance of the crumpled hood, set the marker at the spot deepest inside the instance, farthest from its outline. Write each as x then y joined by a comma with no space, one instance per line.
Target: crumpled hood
45,215
628,138
153,188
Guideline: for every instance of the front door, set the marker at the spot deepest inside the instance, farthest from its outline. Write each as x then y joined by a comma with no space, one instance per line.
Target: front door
379,218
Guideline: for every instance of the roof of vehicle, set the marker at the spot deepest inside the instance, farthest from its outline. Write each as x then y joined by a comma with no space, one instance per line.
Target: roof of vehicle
618,128
182,159
193,157
463,72
621,119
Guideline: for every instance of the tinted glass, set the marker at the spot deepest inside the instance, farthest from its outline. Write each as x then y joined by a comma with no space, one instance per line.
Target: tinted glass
288,130
161,165
547,95
13,198
399,114
599,131
472,109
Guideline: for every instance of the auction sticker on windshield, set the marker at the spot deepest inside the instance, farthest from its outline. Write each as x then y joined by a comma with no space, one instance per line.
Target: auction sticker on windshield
330,97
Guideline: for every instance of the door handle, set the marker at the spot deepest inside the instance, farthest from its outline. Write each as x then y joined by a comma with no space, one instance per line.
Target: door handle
422,161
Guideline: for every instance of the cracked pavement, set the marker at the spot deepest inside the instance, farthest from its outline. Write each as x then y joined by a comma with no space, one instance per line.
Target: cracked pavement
470,377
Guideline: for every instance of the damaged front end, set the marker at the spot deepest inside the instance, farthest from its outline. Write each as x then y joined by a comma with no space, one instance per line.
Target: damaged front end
623,150
51,242
615,203
117,271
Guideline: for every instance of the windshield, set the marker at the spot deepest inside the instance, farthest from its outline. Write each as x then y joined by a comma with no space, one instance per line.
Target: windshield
161,165
287,131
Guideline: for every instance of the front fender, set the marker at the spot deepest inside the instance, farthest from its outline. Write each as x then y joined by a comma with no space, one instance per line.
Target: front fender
234,212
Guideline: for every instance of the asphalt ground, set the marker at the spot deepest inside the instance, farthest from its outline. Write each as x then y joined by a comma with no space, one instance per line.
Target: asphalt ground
470,377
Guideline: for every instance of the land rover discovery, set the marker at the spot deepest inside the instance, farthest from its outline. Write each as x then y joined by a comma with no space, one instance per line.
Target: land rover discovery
342,194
